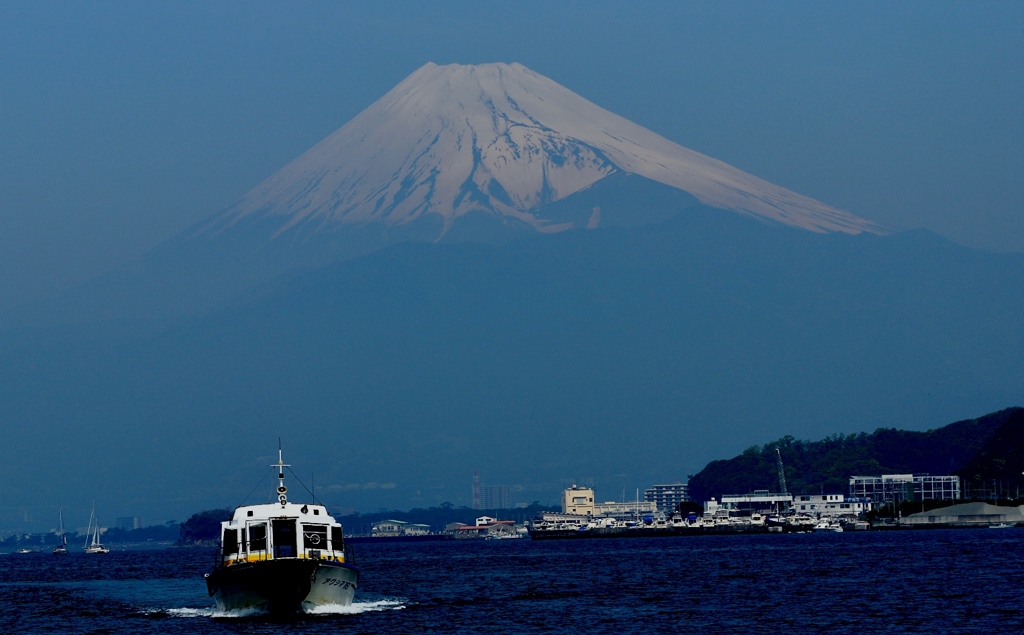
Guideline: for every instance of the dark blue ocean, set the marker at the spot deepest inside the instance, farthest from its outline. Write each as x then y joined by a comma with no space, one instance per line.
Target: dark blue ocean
942,581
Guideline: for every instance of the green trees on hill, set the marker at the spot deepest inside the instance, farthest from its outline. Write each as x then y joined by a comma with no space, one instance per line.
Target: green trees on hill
978,450
203,527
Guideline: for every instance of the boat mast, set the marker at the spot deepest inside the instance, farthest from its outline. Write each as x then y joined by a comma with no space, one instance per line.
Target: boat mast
282,491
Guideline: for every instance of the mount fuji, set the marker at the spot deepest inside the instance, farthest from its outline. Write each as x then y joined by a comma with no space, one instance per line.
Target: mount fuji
452,154
499,139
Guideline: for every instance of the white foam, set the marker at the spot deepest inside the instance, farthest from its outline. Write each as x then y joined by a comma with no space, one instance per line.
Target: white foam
356,608
327,609
208,612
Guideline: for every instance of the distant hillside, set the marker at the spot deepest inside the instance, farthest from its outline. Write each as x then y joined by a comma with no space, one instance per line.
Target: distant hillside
978,450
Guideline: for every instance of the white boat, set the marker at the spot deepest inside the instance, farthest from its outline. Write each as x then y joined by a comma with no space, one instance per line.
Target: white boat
282,558
1000,526
828,525
92,535
62,548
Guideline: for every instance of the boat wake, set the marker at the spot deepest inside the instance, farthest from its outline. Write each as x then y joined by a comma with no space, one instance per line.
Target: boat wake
357,607
328,609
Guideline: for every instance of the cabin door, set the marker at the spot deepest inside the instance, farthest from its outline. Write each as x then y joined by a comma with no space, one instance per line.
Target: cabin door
284,538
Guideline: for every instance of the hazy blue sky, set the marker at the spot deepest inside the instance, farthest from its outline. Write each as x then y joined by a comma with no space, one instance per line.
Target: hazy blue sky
121,123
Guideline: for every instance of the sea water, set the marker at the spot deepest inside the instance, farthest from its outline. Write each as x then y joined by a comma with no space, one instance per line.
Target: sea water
941,581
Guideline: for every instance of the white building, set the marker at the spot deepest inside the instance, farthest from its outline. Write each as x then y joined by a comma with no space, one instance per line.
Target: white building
390,528
905,487
759,500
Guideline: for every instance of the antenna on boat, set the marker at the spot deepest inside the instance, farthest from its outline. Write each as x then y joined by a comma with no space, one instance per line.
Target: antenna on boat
282,491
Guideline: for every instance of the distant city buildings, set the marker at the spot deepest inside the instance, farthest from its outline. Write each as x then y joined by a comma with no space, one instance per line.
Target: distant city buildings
490,496
667,497
496,497
128,523
889,488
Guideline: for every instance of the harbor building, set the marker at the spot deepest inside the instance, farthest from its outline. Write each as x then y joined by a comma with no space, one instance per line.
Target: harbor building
830,505
612,509
484,527
667,497
393,528
579,501
888,488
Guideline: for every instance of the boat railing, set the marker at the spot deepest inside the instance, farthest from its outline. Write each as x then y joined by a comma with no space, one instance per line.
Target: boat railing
350,554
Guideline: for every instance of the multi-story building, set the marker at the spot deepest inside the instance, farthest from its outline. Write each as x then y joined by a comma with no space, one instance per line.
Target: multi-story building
666,497
128,523
496,497
888,488
580,501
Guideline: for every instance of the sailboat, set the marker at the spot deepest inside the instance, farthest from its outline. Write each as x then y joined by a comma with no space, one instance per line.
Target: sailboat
62,548
92,535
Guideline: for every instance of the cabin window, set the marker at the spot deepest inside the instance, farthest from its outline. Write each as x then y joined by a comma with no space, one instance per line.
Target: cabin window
314,536
336,538
284,537
258,537
230,541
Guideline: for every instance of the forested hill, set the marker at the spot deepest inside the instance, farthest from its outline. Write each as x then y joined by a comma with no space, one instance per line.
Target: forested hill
978,450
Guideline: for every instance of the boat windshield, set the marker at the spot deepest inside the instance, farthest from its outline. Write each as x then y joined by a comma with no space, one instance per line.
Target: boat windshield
284,538
258,537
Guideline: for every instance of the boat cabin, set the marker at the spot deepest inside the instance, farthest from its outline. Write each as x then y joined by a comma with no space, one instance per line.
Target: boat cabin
291,530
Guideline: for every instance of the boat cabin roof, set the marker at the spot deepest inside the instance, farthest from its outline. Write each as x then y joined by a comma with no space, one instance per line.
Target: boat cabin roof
303,511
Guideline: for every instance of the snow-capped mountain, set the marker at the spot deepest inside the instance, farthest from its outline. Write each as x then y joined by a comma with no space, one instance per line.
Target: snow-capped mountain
499,139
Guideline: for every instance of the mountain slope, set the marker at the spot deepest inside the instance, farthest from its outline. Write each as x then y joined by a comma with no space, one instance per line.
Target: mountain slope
627,356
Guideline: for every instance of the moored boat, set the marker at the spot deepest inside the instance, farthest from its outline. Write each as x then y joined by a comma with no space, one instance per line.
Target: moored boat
92,535
62,548
282,558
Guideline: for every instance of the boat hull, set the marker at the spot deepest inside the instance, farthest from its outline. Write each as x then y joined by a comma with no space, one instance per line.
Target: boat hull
289,585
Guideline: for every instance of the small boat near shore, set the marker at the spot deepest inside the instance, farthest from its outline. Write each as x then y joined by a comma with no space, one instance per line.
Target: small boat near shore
282,558
826,524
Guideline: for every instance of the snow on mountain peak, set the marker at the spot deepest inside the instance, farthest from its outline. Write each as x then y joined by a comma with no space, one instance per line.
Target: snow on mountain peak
500,139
